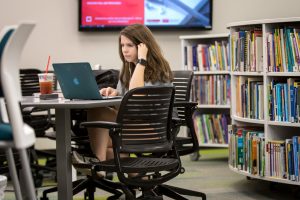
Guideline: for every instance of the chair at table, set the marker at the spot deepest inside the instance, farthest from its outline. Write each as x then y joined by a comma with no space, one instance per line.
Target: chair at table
14,133
81,144
185,144
143,126
40,120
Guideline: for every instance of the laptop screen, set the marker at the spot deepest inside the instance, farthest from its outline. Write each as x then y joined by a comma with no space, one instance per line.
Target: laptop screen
77,80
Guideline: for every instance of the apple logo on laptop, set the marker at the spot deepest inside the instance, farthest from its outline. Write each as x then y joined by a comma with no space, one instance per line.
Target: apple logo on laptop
76,81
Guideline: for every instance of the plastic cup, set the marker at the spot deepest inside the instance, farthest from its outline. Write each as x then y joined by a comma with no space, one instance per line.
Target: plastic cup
46,83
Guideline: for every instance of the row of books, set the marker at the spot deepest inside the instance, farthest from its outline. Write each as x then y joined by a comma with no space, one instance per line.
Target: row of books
249,97
211,128
284,100
283,158
247,149
247,50
207,57
275,158
283,50
212,89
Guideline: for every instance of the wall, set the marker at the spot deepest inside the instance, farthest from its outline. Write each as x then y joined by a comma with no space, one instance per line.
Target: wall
56,31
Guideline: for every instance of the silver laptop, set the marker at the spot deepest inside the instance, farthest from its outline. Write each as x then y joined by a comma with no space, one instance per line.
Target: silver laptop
77,81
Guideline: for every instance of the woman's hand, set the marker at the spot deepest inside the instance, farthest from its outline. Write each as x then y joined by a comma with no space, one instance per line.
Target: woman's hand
142,51
108,92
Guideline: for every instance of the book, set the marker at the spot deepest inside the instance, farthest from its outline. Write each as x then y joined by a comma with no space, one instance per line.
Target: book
283,47
258,51
289,159
251,96
200,53
295,157
254,160
185,58
190,57
195,58
240,148
297,85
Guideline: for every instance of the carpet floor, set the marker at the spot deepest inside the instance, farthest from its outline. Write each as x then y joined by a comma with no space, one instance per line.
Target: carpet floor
211,175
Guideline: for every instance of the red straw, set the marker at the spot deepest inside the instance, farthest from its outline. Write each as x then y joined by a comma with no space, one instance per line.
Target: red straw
47,67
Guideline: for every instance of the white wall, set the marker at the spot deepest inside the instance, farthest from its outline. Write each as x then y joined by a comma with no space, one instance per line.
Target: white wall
56,32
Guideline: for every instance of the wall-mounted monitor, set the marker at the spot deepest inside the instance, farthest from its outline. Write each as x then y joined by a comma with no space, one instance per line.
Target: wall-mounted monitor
98,15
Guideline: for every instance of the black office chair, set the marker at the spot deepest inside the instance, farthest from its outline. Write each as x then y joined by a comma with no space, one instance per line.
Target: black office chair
188,144
81,144
182,82
143,126
40,120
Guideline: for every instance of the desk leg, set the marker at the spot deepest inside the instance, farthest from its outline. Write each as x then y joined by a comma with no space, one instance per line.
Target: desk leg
63,156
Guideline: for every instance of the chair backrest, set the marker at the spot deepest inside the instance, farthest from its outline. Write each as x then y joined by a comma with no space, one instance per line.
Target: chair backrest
5,34
23,135
29,81
182,81
145,114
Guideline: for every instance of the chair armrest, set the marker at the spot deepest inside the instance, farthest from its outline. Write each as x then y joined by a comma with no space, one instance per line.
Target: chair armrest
176,121
112,126
185,104
100,124
31,109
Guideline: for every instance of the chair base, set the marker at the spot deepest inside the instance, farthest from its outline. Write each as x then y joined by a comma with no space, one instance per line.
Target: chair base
176,192
90,185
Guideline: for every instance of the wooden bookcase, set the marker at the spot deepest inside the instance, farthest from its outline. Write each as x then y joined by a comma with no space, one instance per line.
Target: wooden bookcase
262,73
205,75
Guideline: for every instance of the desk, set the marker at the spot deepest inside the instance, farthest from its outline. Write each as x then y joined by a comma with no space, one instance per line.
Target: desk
63,134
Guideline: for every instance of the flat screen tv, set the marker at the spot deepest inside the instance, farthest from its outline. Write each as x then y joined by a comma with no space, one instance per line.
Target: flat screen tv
98,15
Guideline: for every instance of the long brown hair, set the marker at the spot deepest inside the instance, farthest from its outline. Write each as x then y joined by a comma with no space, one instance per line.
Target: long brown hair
157,69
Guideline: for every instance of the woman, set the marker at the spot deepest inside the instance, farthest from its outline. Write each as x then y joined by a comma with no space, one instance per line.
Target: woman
143,65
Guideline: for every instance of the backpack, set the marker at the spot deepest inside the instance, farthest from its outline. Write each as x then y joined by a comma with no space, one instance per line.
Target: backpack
106,78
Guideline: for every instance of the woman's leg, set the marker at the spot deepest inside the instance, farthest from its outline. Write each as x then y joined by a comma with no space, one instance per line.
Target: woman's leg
99,137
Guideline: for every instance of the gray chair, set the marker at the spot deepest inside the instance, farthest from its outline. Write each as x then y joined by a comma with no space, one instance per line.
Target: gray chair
14,133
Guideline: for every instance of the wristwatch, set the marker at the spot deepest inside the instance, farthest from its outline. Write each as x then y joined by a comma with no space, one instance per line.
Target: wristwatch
142,62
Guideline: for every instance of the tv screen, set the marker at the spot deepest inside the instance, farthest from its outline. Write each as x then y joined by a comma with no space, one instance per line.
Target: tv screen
156,14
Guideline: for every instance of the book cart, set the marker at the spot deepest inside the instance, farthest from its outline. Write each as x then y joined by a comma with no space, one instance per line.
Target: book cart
208,57
265,103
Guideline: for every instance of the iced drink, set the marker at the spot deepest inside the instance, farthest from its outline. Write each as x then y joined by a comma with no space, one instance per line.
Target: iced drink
46,83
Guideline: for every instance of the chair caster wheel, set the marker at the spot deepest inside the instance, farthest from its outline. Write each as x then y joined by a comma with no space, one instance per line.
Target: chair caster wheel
195,156
86,195
38,179
109,176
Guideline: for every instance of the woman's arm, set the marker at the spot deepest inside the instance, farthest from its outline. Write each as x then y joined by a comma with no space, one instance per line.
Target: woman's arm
137,79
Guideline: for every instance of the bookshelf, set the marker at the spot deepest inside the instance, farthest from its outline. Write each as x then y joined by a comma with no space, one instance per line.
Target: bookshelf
207,56
264,138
